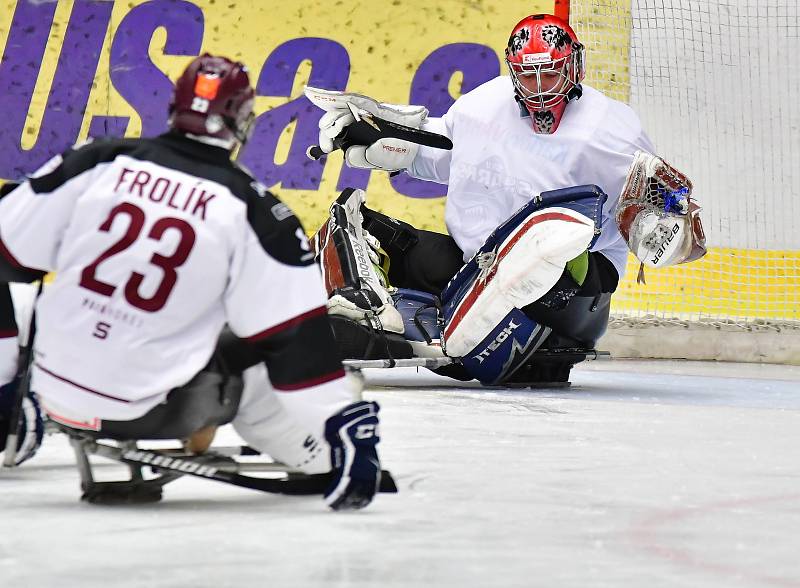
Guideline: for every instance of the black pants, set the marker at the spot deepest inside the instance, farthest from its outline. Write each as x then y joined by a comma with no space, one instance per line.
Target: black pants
210,398
427,261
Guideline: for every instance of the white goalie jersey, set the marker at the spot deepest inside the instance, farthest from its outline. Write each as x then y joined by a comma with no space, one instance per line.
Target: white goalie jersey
498,163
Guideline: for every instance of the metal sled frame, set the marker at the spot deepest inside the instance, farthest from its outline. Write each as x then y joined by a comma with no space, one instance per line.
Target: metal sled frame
218,464
436,362
572,356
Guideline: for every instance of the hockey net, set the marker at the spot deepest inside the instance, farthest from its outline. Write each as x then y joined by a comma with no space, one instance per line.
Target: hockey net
715,84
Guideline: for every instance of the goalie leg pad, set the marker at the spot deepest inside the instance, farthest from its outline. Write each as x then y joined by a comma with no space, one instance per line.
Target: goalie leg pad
346,256
505,349
519,270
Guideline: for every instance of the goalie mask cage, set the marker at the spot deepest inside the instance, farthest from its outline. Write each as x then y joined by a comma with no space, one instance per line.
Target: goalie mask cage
716,84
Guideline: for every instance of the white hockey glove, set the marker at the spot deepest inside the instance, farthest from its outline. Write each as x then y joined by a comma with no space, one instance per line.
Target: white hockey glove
343,109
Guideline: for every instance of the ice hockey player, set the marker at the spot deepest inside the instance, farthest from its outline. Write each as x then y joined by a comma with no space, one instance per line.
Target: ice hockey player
534,179
156,245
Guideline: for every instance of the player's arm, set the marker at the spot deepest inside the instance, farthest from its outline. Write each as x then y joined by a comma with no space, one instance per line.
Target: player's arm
11,270
434,164
276,301
34,214
9,345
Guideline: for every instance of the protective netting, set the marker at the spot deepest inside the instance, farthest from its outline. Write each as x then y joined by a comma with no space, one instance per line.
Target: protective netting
716,84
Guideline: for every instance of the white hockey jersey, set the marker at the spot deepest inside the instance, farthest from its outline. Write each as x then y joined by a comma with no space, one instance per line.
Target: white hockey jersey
155,245
498,163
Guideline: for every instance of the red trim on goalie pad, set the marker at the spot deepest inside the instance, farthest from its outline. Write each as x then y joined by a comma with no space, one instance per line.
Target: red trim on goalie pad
9,333
329,259
287,324
480,285
310,383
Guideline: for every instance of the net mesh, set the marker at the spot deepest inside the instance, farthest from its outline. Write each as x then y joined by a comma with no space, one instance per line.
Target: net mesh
715,84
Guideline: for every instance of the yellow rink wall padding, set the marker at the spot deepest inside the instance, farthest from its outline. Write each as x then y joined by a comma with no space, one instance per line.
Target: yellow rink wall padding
78,68
726,282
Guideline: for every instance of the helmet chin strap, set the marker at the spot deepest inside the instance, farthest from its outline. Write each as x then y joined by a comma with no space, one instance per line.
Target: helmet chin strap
575,93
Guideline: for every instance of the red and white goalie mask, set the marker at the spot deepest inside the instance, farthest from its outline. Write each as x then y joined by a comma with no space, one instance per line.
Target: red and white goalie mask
657,216
546,64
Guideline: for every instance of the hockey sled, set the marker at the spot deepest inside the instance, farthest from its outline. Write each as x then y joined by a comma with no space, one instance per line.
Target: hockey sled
207,401
151,469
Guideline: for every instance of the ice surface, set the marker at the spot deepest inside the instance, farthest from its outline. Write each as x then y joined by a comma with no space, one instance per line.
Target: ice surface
641,474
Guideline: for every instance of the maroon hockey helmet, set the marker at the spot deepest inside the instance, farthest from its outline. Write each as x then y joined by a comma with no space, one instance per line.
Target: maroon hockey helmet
213,98
546,63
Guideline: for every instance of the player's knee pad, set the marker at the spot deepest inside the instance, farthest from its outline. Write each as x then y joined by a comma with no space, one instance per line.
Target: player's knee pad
348,257
517,265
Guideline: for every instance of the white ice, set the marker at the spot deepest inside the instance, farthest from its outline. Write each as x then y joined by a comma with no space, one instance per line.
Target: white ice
642,474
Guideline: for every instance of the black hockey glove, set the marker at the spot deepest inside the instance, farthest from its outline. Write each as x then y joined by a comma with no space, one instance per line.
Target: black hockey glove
31,423
353,435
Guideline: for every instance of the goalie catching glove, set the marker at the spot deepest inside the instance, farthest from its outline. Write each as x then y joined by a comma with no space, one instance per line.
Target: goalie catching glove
656,215
372,134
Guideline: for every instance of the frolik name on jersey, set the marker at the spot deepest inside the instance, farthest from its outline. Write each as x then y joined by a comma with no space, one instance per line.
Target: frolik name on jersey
163,190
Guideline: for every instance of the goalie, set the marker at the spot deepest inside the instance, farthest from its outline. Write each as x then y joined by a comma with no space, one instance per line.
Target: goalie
550,183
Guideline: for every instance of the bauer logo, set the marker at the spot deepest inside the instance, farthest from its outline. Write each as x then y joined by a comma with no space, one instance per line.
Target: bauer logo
665,245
